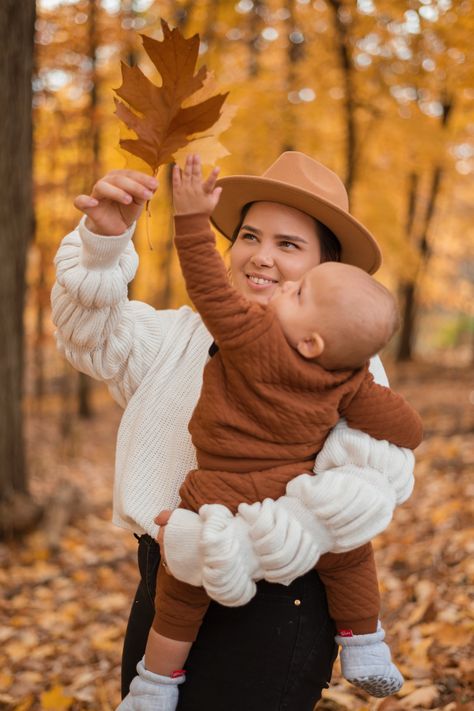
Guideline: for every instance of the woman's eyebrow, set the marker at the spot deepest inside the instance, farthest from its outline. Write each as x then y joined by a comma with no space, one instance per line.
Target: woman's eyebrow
251,229
290,238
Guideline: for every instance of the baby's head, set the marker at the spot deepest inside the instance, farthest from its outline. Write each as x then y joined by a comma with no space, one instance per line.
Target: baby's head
336,314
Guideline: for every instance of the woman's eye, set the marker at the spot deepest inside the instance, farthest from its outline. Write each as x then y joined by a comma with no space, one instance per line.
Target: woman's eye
288,245
248,236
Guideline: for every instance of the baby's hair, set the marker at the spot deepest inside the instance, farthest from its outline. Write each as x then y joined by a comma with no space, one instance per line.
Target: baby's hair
328,242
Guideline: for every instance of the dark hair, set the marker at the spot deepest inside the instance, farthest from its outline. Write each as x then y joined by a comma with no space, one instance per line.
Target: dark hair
328,242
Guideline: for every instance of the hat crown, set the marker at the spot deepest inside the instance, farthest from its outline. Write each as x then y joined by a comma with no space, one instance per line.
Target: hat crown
304,173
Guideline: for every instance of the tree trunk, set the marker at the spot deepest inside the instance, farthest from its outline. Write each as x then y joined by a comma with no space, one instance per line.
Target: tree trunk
84,406
341,25
16,227
408,288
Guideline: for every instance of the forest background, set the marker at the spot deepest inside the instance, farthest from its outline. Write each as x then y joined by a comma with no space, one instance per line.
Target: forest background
382,91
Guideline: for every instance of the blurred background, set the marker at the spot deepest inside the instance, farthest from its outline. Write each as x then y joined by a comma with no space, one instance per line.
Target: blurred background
382,91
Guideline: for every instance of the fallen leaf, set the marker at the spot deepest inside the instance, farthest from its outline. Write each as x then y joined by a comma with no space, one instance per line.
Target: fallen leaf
26,703
55,699
422,698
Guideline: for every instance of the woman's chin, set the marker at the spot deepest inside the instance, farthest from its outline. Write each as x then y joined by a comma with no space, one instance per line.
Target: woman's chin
257,294
260,297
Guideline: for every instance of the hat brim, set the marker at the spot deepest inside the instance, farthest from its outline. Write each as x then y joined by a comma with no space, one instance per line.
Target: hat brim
358,246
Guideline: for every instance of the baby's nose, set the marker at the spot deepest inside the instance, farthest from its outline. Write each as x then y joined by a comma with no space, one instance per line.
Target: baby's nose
288,286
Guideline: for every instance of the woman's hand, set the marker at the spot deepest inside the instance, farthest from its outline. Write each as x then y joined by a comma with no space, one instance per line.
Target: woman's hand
190,193
161,520
116,201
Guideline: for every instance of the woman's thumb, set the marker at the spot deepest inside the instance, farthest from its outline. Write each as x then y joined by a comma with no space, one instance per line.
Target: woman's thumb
85,203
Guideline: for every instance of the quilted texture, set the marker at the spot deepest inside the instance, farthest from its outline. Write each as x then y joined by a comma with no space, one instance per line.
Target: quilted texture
263,414
262,405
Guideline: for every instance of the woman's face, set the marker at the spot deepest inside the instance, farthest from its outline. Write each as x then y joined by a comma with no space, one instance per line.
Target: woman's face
275,244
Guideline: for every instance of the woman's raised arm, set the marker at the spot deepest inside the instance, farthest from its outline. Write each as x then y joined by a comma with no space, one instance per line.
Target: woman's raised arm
99,330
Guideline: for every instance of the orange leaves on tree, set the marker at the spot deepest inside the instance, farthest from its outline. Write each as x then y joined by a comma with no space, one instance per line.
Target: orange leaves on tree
166,118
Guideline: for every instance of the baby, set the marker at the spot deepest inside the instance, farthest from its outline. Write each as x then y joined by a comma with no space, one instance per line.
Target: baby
336,315
283,376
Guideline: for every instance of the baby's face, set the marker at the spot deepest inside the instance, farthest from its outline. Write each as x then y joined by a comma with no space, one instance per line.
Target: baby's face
298,307
336,313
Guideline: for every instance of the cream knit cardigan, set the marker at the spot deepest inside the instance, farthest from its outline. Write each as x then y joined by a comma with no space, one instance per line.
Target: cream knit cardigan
152,363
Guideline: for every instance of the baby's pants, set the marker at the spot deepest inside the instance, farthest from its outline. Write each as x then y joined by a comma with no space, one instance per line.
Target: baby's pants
351,588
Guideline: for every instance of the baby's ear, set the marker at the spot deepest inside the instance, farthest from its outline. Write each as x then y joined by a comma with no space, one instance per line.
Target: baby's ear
311,347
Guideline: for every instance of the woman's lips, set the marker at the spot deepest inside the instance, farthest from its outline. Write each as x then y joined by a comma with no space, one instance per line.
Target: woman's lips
258,282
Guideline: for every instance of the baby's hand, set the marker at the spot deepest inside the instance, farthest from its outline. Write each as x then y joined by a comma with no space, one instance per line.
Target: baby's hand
190,193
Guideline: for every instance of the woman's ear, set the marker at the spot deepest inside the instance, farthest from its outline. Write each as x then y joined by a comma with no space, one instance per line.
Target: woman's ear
311,347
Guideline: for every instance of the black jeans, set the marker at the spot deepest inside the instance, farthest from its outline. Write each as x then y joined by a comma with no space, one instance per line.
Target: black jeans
273,654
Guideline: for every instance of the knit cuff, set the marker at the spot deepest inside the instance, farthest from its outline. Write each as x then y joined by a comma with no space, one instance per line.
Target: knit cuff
191,224
230,563
102,252
362,640
383,465
182,539
288,540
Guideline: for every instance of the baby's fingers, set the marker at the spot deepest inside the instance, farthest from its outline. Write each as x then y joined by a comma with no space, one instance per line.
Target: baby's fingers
176,177
210,181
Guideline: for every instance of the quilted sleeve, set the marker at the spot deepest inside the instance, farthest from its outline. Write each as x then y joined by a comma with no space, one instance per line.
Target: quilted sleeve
383,414
232,320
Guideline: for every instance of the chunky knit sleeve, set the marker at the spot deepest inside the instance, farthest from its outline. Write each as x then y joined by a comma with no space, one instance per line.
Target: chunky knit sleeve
359,481
99,330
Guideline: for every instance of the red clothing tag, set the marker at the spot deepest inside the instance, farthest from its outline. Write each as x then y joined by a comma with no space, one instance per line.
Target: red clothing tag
177,673
345,633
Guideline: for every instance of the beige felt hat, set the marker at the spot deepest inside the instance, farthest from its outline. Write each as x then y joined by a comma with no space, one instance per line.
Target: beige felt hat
298,181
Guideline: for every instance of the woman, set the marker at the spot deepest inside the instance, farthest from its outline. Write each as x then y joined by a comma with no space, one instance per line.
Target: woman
277,651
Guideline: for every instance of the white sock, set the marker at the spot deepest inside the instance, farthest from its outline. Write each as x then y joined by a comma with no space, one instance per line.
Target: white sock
366,662
151,692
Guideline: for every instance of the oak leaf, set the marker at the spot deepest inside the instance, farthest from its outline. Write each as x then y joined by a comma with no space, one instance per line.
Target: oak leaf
166,118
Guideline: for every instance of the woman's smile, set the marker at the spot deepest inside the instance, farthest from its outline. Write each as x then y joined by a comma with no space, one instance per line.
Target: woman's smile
259,282
277,243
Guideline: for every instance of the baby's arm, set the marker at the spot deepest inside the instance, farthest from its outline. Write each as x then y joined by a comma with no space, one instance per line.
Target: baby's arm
383,414
227,315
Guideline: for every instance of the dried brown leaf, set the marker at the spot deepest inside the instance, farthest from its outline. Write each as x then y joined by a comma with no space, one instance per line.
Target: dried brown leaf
166,118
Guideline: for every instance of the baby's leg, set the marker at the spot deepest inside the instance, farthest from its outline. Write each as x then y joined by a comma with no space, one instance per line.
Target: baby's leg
354,601
352,589
179,611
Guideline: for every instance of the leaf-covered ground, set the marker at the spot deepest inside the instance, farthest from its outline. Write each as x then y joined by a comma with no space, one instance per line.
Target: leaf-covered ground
67,588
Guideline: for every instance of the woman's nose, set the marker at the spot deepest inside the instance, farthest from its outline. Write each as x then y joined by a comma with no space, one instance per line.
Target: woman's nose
262,257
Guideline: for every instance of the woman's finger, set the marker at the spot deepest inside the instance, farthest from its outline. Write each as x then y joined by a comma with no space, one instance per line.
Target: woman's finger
143,179
119,187
135,188
85,202
163,517
105,191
